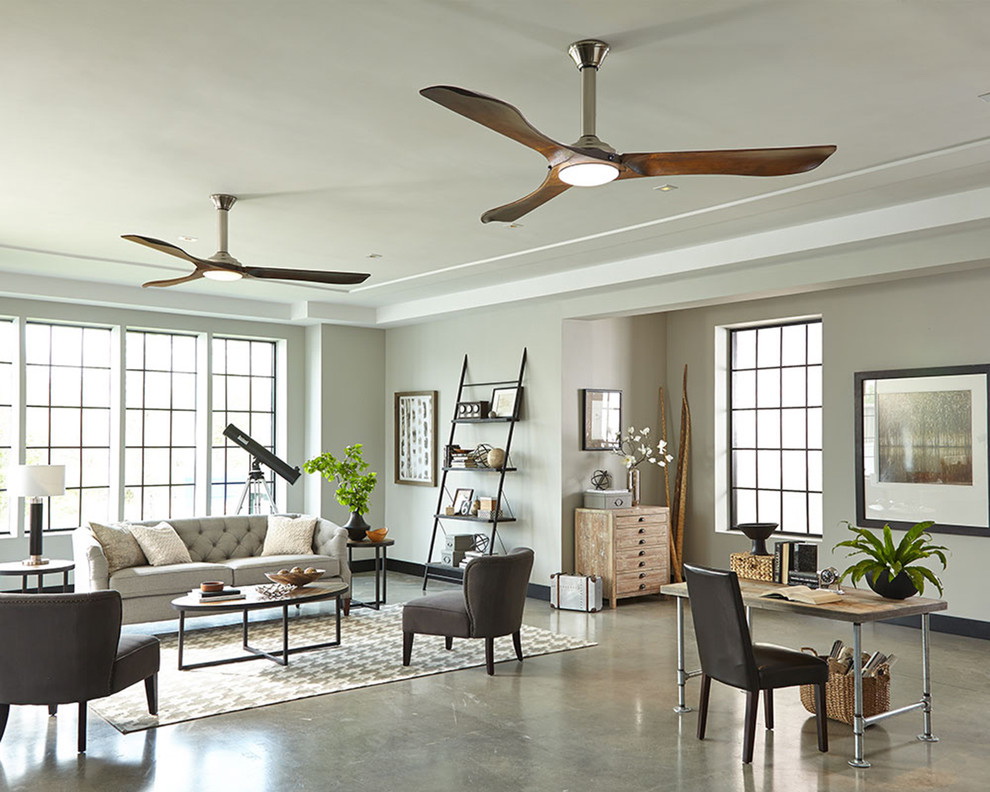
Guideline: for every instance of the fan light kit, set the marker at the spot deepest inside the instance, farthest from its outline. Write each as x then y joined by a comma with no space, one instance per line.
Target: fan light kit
590,162
221,266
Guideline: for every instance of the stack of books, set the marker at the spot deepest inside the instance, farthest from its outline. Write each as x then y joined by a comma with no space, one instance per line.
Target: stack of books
224,594
468,555
458,457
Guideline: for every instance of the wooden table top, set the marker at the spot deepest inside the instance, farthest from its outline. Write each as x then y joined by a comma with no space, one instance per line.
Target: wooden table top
254,599
857,605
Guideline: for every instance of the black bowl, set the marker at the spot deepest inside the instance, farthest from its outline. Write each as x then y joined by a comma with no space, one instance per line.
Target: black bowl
758,533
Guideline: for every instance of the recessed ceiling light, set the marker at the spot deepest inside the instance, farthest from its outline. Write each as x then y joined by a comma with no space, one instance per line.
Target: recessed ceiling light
985,97
665,187
374,255
185,238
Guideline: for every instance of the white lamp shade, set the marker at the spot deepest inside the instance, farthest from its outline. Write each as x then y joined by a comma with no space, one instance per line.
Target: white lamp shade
36,481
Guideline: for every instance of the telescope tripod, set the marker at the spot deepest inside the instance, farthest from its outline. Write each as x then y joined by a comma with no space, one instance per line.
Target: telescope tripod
256,490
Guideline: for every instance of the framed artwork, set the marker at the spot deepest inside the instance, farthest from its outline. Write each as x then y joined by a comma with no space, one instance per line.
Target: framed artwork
602,419
416,438
921,448
505,402
462,500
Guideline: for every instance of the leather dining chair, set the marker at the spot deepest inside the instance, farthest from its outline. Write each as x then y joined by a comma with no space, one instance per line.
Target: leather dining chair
67,648
728,655
490,604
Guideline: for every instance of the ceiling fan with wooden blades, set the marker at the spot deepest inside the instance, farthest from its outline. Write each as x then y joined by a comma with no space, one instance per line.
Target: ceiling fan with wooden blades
590,161
224,267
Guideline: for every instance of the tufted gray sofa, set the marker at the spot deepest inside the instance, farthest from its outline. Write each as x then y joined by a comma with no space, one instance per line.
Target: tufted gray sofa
224,548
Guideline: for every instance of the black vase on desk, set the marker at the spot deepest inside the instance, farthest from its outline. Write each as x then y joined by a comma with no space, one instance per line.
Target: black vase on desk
356,527
758,534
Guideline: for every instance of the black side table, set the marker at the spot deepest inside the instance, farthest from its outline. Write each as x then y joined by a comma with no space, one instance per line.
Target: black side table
381,570
25,570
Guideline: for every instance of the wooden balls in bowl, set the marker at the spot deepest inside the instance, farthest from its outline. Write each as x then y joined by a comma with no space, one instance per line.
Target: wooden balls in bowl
377,534
297,576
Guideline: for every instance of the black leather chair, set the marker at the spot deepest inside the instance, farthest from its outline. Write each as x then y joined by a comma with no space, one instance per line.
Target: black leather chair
67,648
489,605
728,654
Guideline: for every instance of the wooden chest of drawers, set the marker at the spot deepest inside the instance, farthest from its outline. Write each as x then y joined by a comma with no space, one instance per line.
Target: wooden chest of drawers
627,547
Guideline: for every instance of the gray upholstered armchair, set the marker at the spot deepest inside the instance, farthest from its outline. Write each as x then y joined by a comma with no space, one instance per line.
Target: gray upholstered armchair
67,648
489,605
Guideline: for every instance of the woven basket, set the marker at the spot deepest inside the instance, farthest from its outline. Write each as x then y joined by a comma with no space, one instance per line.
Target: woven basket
752,567
840,694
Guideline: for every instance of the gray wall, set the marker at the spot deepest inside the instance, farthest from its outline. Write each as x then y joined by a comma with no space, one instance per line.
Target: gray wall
930,321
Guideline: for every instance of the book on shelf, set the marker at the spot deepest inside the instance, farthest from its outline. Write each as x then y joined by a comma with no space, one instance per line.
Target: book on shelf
804,594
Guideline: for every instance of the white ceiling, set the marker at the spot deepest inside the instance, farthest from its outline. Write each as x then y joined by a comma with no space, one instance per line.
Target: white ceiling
124,117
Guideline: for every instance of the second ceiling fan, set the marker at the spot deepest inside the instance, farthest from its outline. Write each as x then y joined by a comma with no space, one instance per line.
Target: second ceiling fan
222,266
590,161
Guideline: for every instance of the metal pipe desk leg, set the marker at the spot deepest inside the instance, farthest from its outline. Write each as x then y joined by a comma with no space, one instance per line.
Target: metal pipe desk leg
926,680
859,727
681,673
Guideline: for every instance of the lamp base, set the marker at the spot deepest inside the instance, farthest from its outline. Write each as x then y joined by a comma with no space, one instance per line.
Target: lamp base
35,560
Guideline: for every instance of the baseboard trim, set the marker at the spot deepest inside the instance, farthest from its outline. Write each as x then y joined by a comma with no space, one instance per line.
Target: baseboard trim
534,590
953,625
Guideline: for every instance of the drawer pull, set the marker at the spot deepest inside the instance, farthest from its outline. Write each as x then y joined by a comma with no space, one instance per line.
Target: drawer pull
642,530
642,552
642,563
642,519
642,586
642,575
642,541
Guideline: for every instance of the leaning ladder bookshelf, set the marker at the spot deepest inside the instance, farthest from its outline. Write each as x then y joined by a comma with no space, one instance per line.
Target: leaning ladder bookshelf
486,535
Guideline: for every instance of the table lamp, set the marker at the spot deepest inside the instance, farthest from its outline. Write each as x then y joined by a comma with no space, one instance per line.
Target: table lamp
36,482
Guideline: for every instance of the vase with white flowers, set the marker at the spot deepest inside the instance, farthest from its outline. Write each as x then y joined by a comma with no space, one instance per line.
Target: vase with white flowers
634,447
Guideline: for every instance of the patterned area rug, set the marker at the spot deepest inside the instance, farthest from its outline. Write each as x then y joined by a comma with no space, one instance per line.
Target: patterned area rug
370,654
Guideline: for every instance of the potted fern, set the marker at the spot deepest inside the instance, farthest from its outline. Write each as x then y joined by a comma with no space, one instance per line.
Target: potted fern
354,486
893,571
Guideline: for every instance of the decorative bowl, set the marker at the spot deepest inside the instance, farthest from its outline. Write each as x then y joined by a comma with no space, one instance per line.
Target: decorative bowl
377,534
288,577
211,585
758,533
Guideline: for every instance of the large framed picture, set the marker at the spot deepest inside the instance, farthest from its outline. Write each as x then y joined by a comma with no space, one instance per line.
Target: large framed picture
416,438
921,448
602,419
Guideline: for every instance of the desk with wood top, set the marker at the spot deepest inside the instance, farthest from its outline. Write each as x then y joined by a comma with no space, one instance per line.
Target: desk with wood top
856,607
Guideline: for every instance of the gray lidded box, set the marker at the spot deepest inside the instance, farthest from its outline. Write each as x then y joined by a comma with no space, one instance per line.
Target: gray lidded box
607,499
458,542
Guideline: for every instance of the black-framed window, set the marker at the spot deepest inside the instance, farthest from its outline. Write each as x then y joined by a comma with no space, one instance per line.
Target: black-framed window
243,384
160,392
7,340
67,398
775,426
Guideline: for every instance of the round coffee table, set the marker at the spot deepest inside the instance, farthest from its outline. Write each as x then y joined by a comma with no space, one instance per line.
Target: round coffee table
260,598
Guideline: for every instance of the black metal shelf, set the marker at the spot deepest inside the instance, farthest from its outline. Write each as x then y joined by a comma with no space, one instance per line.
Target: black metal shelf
449,469
442,571
472,518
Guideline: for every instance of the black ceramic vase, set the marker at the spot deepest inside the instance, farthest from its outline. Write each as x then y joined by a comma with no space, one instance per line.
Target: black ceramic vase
357,527
757,534
901,587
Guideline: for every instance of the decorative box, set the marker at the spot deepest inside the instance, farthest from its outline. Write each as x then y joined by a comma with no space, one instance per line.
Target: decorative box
476,409
751,567
458,542
576,592
451,557
607,499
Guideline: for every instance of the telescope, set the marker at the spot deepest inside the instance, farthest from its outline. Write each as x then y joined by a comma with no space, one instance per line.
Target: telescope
256,488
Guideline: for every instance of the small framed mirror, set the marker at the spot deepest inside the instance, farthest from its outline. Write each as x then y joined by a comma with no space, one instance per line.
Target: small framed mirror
602,419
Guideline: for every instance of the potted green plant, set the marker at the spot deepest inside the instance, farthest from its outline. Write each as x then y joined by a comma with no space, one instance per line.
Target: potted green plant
893,571
354,486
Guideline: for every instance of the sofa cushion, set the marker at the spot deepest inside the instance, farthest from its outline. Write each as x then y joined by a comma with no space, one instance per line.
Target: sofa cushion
251,571
119,545
161,544
289,536
174,579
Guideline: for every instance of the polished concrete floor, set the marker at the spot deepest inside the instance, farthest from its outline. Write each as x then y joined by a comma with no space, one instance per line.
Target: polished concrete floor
591,719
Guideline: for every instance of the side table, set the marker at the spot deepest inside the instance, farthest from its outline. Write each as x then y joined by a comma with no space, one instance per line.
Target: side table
381,570
25,570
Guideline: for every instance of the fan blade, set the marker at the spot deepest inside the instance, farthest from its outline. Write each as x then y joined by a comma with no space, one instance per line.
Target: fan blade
164,247
551,188
314,276
175,281
736,162
497,115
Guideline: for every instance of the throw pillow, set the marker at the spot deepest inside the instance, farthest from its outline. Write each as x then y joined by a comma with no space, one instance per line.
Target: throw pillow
289,535
119,545
161,544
